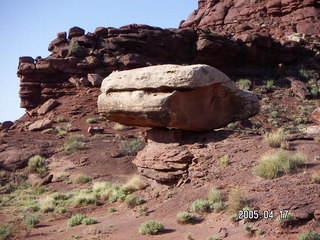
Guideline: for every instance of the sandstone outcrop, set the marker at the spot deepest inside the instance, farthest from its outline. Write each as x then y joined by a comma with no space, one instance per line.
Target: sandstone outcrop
276,18
77,54
40,125
195,97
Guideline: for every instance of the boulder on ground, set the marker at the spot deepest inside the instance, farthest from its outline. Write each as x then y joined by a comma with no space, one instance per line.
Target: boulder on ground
48,106
195,97
95,79
40,125
95,130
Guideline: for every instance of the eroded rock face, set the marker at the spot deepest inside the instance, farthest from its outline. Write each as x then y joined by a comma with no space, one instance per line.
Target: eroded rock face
195,97
267,17
100,53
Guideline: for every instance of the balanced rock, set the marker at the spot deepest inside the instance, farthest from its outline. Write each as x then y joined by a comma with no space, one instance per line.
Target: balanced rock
195,97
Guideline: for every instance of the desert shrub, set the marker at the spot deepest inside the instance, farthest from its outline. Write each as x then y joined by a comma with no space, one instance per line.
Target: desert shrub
260,232
118,127
184,217
131,147
133,184
270,84
75,220
62,119
74,47
237,200
151,227
37,164
214,195
80,178
31,220
143,210
88,221
91,120
100,187
7,231
275,138
73,144
61,130
315,178
131,201
83,198
224,161
218,206
275,164
47,204
112,209
244,84
309,236
200,206
213,238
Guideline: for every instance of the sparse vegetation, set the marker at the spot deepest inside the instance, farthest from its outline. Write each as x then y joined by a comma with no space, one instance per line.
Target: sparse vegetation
131,201
270,84
143,210
200,206
273,165
224,161
151,227
73,144
133,184
315,178
118,127
237,200
37,164
88,221
131,147
244,84
112,209
309,236
75,220
62,119
31,220
184,218
91,120
74,47
80,178
7,231
214,195
275,138
218,206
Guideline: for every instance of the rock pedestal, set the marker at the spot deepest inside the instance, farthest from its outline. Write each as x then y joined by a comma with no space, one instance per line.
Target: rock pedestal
195,97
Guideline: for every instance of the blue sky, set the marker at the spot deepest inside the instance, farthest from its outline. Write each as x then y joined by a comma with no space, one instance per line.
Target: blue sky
27,28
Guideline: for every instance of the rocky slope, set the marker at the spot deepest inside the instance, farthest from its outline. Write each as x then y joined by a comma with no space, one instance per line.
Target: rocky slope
276,18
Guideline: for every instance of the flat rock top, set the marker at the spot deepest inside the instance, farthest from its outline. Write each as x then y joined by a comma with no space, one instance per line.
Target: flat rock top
164,77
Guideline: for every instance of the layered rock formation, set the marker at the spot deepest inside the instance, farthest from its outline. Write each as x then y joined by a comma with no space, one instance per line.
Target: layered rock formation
81,59
194,97
276,18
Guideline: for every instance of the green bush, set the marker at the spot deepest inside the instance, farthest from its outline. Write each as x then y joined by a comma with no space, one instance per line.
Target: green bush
112,209
75,220
74,47
131,201
275,164
131,147
244,84
309,236
88,221
218,206
200,206
83,198
62,119
73,144
143,210
151,227
214,195
184,217
270,84
91,120
31,220
7,231
37,164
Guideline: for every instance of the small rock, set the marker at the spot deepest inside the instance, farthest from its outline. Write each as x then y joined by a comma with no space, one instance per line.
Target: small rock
317,214
300,89
95,79
76,32
95,130
40,125
48,106
35,180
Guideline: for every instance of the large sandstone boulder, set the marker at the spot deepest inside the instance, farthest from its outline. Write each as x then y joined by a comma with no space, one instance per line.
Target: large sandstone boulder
195,97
